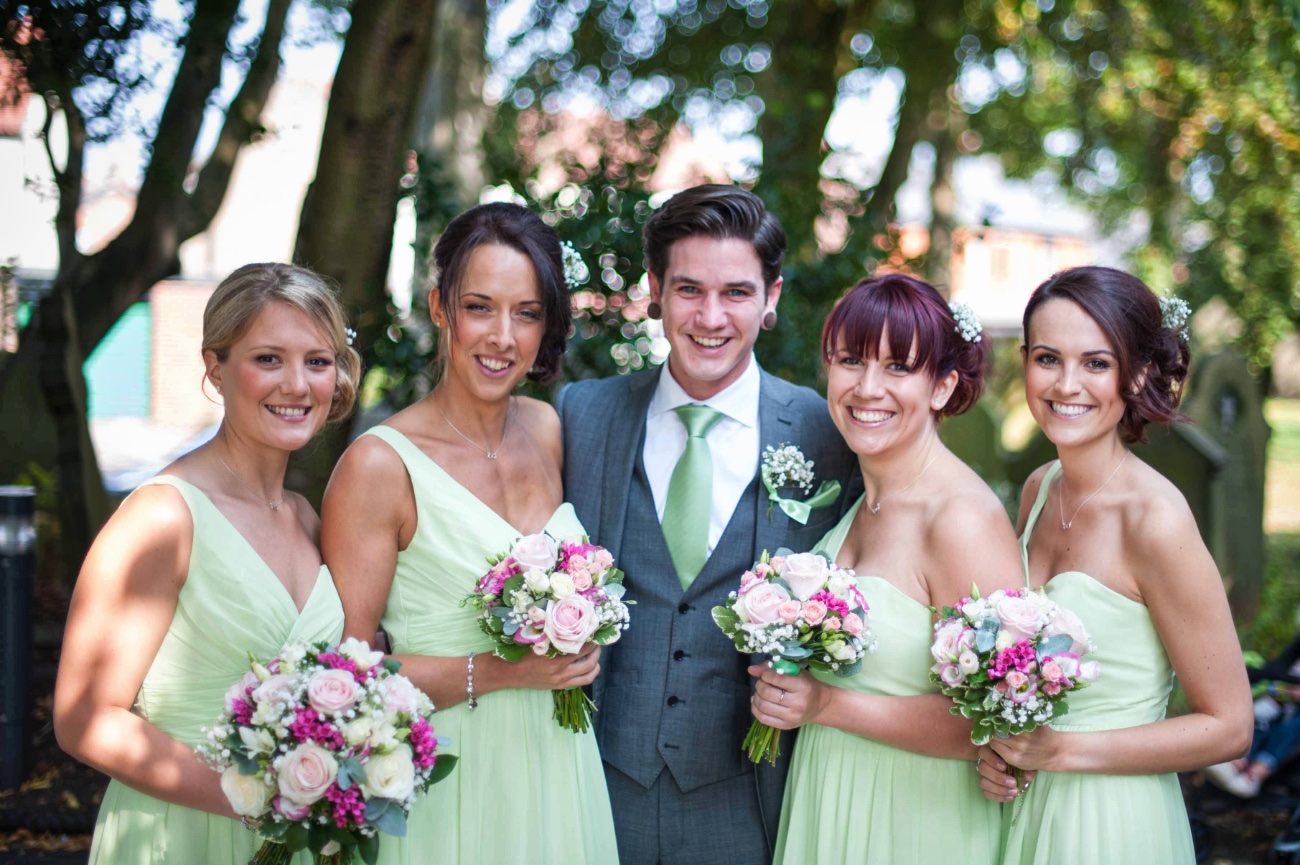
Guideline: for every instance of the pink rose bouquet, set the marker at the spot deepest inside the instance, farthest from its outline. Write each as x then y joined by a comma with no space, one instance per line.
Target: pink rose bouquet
551,598
327,746
804,611
1009,661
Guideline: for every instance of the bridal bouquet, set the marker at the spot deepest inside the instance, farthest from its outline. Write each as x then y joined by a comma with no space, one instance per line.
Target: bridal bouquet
327,747
805,612
1008,661
552,598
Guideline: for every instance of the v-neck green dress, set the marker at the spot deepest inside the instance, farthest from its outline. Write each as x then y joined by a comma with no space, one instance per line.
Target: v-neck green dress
525,790
854,800
231,604
1078,819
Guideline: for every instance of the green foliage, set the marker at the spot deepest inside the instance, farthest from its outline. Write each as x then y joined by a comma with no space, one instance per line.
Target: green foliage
1276,623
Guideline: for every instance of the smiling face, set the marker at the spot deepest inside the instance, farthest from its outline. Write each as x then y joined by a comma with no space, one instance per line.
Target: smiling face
1072,378
883,405
498,323
713,306
277,380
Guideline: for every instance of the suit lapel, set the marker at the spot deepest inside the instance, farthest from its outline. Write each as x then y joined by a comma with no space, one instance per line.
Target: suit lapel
777,425
627,432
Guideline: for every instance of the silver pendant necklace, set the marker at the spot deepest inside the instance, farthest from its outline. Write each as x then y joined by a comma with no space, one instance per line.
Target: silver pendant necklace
1060,499
875,509
273,505
491,454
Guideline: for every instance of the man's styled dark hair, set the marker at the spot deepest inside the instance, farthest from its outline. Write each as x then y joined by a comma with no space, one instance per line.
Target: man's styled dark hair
718,211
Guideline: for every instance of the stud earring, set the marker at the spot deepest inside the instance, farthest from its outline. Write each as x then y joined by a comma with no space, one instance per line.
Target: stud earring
654,310
769,320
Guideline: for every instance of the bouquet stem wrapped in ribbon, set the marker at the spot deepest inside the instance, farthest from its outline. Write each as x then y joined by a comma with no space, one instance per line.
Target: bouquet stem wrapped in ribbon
552,598
806,613
1009,661
327,746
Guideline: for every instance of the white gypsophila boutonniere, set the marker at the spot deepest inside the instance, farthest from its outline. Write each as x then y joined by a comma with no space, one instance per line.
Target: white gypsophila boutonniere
968,324
1175,313
785,467
575,269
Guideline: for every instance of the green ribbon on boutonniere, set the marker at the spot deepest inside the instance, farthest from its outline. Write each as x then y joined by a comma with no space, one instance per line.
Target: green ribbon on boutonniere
800,511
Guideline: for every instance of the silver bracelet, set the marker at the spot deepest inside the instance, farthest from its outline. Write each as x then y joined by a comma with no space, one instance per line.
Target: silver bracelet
469,682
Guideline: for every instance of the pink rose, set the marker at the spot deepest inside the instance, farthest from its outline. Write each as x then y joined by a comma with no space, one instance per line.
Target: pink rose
1016,680
1051,689
570,623
290,810
399,694
813,612
806,573
576,563
763,603
536,551
333,691
947,642
603,560
832,623
762,569
789,612
1052,671
277,689
306,773
1067,623
238,692
582,580
1020,617
853,624
776,563
748,582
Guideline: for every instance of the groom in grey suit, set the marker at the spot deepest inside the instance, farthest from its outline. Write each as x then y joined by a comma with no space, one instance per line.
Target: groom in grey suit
663,468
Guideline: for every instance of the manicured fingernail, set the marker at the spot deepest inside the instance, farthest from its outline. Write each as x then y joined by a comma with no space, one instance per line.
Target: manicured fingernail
1010,782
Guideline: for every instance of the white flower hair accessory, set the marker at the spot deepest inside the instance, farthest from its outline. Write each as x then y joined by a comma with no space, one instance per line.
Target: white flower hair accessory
968,325
785,466
1175,313
350,334
575,269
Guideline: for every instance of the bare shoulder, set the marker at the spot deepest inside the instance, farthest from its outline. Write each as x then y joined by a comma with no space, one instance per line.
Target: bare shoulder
306,514
1157,522
969,539
150,534
969,510
369,457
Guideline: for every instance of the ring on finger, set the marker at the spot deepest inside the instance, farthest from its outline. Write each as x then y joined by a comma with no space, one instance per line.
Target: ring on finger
978,761
781,699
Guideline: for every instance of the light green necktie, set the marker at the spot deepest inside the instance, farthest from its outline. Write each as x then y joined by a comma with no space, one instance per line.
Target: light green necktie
690,495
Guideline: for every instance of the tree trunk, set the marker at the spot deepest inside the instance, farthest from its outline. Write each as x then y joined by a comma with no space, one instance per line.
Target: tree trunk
91,293
943,207
346,228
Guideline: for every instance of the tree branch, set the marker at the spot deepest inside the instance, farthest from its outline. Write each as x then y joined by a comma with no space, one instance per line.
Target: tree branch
68,181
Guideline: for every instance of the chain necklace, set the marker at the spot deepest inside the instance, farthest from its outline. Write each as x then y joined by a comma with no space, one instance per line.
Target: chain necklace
875,509
275,506
1060,499
491,454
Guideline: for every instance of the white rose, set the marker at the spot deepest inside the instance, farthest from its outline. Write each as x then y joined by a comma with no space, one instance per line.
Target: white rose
257,741
399,695
806,573
359,652
1005,640
839,583
391,775
291,656
358,730
521,601
562,585
973,610
537,581
536,551
842,651
248,795
383,736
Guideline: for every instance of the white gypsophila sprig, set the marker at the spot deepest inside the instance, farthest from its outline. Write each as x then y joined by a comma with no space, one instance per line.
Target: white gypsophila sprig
786,466
1175,313
968,324
575,269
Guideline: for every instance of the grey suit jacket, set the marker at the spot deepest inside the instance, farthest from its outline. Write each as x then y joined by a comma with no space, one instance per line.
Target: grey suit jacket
603,422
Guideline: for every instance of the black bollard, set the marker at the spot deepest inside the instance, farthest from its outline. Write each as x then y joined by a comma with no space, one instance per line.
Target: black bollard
17,574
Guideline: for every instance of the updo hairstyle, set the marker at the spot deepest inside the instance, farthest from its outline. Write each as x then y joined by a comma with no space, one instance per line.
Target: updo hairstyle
520,229
1153,358
909,310
242,296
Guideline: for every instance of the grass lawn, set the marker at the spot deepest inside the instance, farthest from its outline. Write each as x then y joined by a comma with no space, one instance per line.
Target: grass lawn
1282,484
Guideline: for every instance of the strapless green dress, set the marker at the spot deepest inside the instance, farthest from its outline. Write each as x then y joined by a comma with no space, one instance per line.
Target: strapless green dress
525,790
231,604
854,800
1075,819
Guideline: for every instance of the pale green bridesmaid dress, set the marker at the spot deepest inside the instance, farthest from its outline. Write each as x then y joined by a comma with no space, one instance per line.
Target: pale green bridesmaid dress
232,603
1074,819
853,800
525,791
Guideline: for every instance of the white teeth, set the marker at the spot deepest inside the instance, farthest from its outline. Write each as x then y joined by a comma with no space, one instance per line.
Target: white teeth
283,411
494,365
870,416
1069,410
709,343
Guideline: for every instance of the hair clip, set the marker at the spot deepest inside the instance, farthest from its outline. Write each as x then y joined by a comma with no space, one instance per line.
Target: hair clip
575,269
1175,313
350,334
968,325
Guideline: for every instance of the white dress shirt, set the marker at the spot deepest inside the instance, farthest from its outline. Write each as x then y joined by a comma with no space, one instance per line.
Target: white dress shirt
733,442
